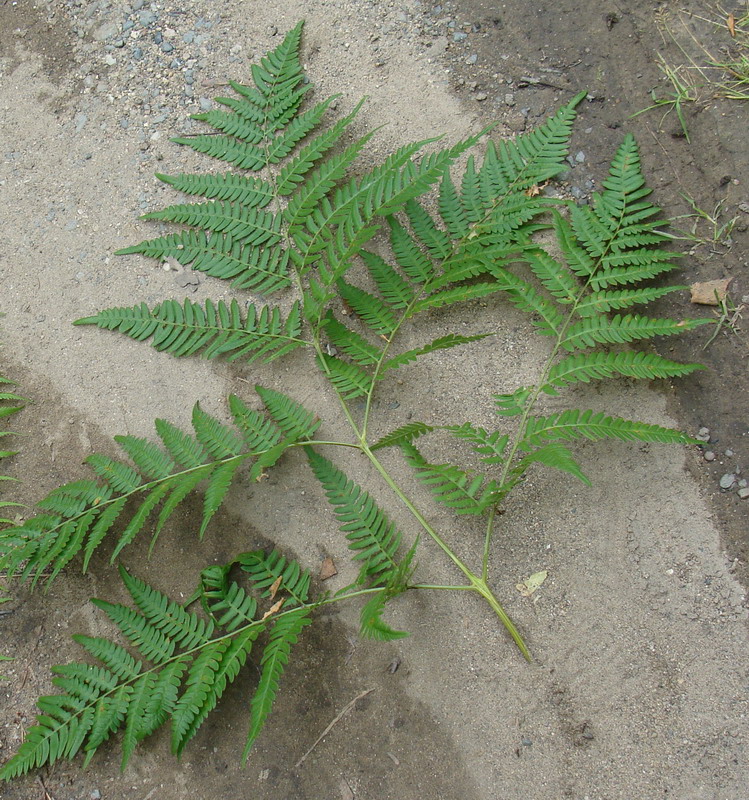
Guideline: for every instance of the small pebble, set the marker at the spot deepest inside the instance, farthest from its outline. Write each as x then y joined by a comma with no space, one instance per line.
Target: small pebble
744,493
709,455
481,96
727,481
459,36
580,157
95,794
729,453
166,47
703,434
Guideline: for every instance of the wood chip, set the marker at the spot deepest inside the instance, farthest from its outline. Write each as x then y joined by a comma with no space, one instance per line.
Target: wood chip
710,293
327,569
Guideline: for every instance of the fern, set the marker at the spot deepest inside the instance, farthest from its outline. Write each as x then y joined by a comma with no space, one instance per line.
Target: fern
365,252
78,516
185,665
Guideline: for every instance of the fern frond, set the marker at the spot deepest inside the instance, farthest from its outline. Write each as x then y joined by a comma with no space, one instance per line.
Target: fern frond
586,367
262,269
291,417
272,573
489,446
370,309
573,424
517,165
371,536
411,259
395,290
78,516
351,343
618,329
371,624
602,302
284,634
552,455
247,192
450,486
260,434
443,343
406,433
215,330
226,601
349,380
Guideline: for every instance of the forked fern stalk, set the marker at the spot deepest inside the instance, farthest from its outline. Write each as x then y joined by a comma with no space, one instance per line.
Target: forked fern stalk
359,257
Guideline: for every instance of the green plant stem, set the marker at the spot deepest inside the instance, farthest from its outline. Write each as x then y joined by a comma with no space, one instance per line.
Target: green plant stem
487,543
477,584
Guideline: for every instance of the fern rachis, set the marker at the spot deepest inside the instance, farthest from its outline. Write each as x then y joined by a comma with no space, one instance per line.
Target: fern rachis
363,256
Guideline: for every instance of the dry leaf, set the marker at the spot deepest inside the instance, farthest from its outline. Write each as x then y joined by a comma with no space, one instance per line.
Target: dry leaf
710,293
327,569
274,587
272,610
731,22
532,584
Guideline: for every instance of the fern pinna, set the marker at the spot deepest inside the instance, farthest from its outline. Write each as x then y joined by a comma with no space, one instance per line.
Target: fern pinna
355,257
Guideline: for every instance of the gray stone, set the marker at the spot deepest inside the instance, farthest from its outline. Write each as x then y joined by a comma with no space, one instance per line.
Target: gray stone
459,36
744,493
146,18
708,455
105,31
727,481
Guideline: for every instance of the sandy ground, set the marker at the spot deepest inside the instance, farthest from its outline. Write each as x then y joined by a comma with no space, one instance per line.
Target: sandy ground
639,689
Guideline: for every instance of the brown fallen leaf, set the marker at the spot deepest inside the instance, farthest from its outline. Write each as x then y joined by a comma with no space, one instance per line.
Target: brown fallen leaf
710,293
327,569
275,607
274,587
731,22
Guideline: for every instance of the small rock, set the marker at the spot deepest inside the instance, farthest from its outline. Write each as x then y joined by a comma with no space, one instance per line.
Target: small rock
110,60
526,742
105,31
472,59
727,481
166,47
188,37
205,104
743,483
481,96
137,53
158,38
729,453
95,794
146,18
459,36
580,157
708,455
510,99
703,434
744,493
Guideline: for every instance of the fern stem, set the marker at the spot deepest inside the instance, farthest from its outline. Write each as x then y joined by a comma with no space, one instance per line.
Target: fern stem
448,587
487,543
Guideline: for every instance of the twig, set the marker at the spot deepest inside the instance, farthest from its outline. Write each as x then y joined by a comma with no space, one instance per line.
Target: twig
330,727
47,795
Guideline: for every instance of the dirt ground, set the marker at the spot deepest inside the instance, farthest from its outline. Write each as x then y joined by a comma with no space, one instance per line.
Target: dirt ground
640,684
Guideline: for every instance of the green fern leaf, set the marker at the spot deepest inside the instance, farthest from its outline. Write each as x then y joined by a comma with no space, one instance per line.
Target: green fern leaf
349,380
523,296
218,439
226,602
248,192
459,294
618,329
450,486
552,455
517,165
489,446
554,276
406,433
573,424
396,291
284,634
586,367
259,433
371,624
250,226
436,241
293,173
601,302
443,343
291,417
351,343
218,485
262,269
370,534
269,570
186,329
370,309
415,263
